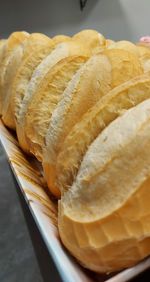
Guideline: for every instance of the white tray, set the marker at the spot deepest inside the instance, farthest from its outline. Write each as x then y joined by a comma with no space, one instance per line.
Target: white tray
44,212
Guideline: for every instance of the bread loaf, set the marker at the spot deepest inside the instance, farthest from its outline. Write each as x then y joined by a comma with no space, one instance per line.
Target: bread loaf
83,110
25,72
45,100
104,219
14,40
96,78
93,122
61,51
19,55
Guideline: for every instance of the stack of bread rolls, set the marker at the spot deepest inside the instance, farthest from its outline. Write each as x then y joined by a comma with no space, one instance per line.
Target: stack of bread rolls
81,106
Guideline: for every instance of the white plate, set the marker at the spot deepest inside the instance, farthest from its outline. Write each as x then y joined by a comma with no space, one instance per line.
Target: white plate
44,212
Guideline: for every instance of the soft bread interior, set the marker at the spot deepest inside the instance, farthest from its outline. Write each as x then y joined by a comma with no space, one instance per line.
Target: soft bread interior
94,121
106,211
44,102
96,78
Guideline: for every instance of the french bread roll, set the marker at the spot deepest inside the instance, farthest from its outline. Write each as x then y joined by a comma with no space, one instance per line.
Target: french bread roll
93,122
45,100
14,40
104,219
18,56
61,51
96,78
15,60
25,73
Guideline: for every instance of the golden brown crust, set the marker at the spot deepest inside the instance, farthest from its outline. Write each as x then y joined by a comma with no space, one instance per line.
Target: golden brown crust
106,212
14,40
24,75
60,38
94,40
45,100
94,121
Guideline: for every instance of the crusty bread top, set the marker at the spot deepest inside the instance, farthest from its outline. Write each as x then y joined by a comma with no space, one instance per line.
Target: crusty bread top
125,45
2,47
45,100
144,55
60,38
18,55
33,41
14,40
114,167
15,59
91,39
25,72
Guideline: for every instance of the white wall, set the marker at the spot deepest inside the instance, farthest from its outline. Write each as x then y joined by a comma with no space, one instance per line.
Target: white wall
117,19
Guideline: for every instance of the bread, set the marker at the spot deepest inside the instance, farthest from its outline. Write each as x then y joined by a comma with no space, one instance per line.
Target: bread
144,55
18,56
2,47
96,78
83,111
61,51
60,38
14,40
104,219
124,45
24,74
45,100
91,38
94,122
15,60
